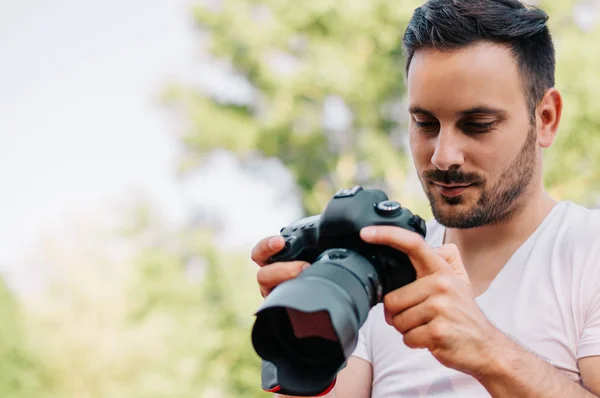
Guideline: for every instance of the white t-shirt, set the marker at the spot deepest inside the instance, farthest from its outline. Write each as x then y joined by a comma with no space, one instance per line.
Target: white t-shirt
547,297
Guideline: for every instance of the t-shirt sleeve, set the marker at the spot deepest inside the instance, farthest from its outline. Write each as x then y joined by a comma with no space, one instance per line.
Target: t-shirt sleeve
589,343
363,347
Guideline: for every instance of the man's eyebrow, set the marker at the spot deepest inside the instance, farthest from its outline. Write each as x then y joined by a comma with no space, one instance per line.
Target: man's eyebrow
417,109
478,110
482,110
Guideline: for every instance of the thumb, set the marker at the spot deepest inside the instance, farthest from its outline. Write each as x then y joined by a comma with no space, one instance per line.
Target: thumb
450,253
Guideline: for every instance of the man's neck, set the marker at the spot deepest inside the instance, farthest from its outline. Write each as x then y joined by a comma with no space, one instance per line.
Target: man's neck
525,219
486,249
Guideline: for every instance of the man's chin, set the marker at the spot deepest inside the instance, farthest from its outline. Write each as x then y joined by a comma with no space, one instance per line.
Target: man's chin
452,203
453,212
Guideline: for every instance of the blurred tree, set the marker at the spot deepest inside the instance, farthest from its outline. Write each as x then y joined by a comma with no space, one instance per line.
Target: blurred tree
22,373
573,162
149,312
324,92
202,301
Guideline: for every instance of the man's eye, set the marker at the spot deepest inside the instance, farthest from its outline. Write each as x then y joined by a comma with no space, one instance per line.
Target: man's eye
426,124
478,127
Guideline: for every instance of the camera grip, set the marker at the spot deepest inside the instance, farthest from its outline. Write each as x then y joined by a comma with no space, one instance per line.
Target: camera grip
300,242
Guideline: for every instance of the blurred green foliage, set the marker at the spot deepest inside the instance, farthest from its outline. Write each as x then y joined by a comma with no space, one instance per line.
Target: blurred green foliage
325,94
22,372
204,318
302,61
573,162
308,64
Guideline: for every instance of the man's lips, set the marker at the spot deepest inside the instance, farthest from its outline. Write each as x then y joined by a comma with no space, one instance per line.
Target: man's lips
451,190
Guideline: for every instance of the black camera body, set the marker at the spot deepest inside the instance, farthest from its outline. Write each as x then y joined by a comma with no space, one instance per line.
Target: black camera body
308,326
338,227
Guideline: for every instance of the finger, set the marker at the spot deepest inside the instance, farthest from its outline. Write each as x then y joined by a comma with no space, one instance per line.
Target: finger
411,318
421,255
271,275
266,248
420,314
417,292
431,335
407,296
451,254
417,338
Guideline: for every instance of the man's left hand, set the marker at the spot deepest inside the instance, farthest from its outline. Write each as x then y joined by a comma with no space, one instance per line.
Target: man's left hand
438,311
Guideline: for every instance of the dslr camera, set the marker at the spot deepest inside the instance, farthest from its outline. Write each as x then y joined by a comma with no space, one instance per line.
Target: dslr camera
307,327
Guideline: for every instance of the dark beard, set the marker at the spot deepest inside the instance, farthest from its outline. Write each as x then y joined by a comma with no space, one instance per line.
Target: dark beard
496,204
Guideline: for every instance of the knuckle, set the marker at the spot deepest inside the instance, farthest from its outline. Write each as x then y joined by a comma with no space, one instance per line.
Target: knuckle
262,276
452,248
414,243
292,272
262,251
256,258
388,317
398,322
257,254
389,301
437,331
442,284
254,254
451,252
438,306
409,341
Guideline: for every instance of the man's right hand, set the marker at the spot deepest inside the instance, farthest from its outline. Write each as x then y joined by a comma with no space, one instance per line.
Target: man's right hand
271,275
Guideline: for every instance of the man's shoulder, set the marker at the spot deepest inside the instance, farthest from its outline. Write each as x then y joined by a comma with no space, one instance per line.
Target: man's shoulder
577,226
570,220
577,217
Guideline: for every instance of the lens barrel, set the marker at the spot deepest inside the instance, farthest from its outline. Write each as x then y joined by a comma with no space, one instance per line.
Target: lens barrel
308,326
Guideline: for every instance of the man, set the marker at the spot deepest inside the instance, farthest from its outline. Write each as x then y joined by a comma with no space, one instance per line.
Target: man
507,297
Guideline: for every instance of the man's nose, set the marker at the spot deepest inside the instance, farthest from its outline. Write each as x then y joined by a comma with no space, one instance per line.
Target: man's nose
448,150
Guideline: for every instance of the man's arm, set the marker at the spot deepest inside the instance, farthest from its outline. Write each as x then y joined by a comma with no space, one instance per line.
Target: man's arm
590,373
353,381
520,374
439,312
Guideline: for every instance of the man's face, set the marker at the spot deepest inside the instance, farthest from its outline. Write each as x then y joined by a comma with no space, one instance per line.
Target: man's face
471,137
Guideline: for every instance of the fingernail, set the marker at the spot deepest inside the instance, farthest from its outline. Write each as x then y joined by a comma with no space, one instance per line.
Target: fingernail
305,266
368,232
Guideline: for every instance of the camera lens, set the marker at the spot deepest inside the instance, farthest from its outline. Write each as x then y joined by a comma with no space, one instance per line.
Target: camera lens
308,326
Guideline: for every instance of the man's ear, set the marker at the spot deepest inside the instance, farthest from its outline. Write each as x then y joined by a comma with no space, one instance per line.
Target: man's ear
548,114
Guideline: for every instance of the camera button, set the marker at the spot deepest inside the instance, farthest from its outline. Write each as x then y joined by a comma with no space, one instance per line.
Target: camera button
418,224
388,208
348,192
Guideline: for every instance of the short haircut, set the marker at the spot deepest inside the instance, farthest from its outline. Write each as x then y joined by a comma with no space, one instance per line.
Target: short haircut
456,24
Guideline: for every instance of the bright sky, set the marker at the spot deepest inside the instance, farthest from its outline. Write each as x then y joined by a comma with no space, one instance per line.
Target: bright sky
80,123
79,120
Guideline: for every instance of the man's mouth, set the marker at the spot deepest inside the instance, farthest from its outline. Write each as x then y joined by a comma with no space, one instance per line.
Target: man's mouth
452,185
451,190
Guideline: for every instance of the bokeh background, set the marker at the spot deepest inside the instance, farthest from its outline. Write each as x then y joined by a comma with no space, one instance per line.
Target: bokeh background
145,146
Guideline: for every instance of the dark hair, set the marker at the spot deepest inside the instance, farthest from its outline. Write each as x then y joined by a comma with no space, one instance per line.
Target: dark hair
454,24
